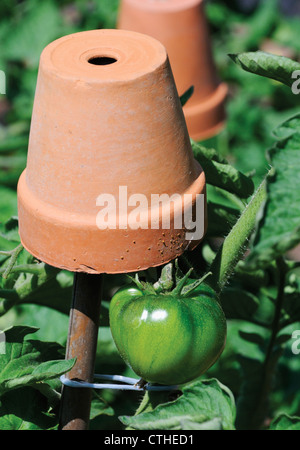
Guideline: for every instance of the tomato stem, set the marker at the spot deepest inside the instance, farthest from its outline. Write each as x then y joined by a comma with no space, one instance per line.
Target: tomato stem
151,400
186,290
13,259
177,290
234,245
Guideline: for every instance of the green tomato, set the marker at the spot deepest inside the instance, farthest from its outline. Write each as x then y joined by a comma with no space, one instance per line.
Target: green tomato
165,338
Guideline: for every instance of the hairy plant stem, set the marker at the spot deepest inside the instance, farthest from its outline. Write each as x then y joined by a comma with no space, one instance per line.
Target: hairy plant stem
13,254
28,268
150,400
234,245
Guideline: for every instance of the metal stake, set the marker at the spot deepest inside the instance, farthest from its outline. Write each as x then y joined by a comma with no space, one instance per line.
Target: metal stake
82,342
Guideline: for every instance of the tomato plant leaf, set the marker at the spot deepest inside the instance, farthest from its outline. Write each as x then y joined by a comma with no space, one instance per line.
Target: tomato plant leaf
165,281
255,338
253,399
278,68
221,174
36,287
10,230
186,95
221,219
99,407
201,403
256,278
25,409
27,362
291,304
238,304
279,225
213,424
285,422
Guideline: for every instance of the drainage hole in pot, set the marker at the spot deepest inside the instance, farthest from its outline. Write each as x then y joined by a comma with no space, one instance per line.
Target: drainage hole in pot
102,60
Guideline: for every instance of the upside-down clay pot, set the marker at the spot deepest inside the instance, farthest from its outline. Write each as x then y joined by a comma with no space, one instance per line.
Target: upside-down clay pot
108,133
181,26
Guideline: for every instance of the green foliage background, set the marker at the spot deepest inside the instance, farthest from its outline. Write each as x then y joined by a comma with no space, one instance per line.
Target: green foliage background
35,301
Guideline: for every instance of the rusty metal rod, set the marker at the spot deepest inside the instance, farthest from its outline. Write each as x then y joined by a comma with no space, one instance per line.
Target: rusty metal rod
82,343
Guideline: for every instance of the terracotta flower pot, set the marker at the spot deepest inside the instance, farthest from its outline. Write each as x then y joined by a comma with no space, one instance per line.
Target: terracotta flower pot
181,26
107,127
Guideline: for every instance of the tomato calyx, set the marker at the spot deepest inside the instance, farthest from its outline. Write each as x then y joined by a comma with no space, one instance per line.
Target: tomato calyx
171,282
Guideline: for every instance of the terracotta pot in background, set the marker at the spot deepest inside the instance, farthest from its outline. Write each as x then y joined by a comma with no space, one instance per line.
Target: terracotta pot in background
106,114
181,26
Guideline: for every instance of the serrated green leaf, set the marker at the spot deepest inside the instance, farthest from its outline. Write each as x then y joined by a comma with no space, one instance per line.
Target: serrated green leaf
34,283
287,129
44,372
52,369
200,403
214,424
221,174
254,334
99,407
208,153
279,227
48,288
285,422
276,67
26,362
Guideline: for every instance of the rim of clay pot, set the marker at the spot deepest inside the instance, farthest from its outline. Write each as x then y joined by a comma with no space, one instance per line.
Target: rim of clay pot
60,216
71,57
165,5
52,221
